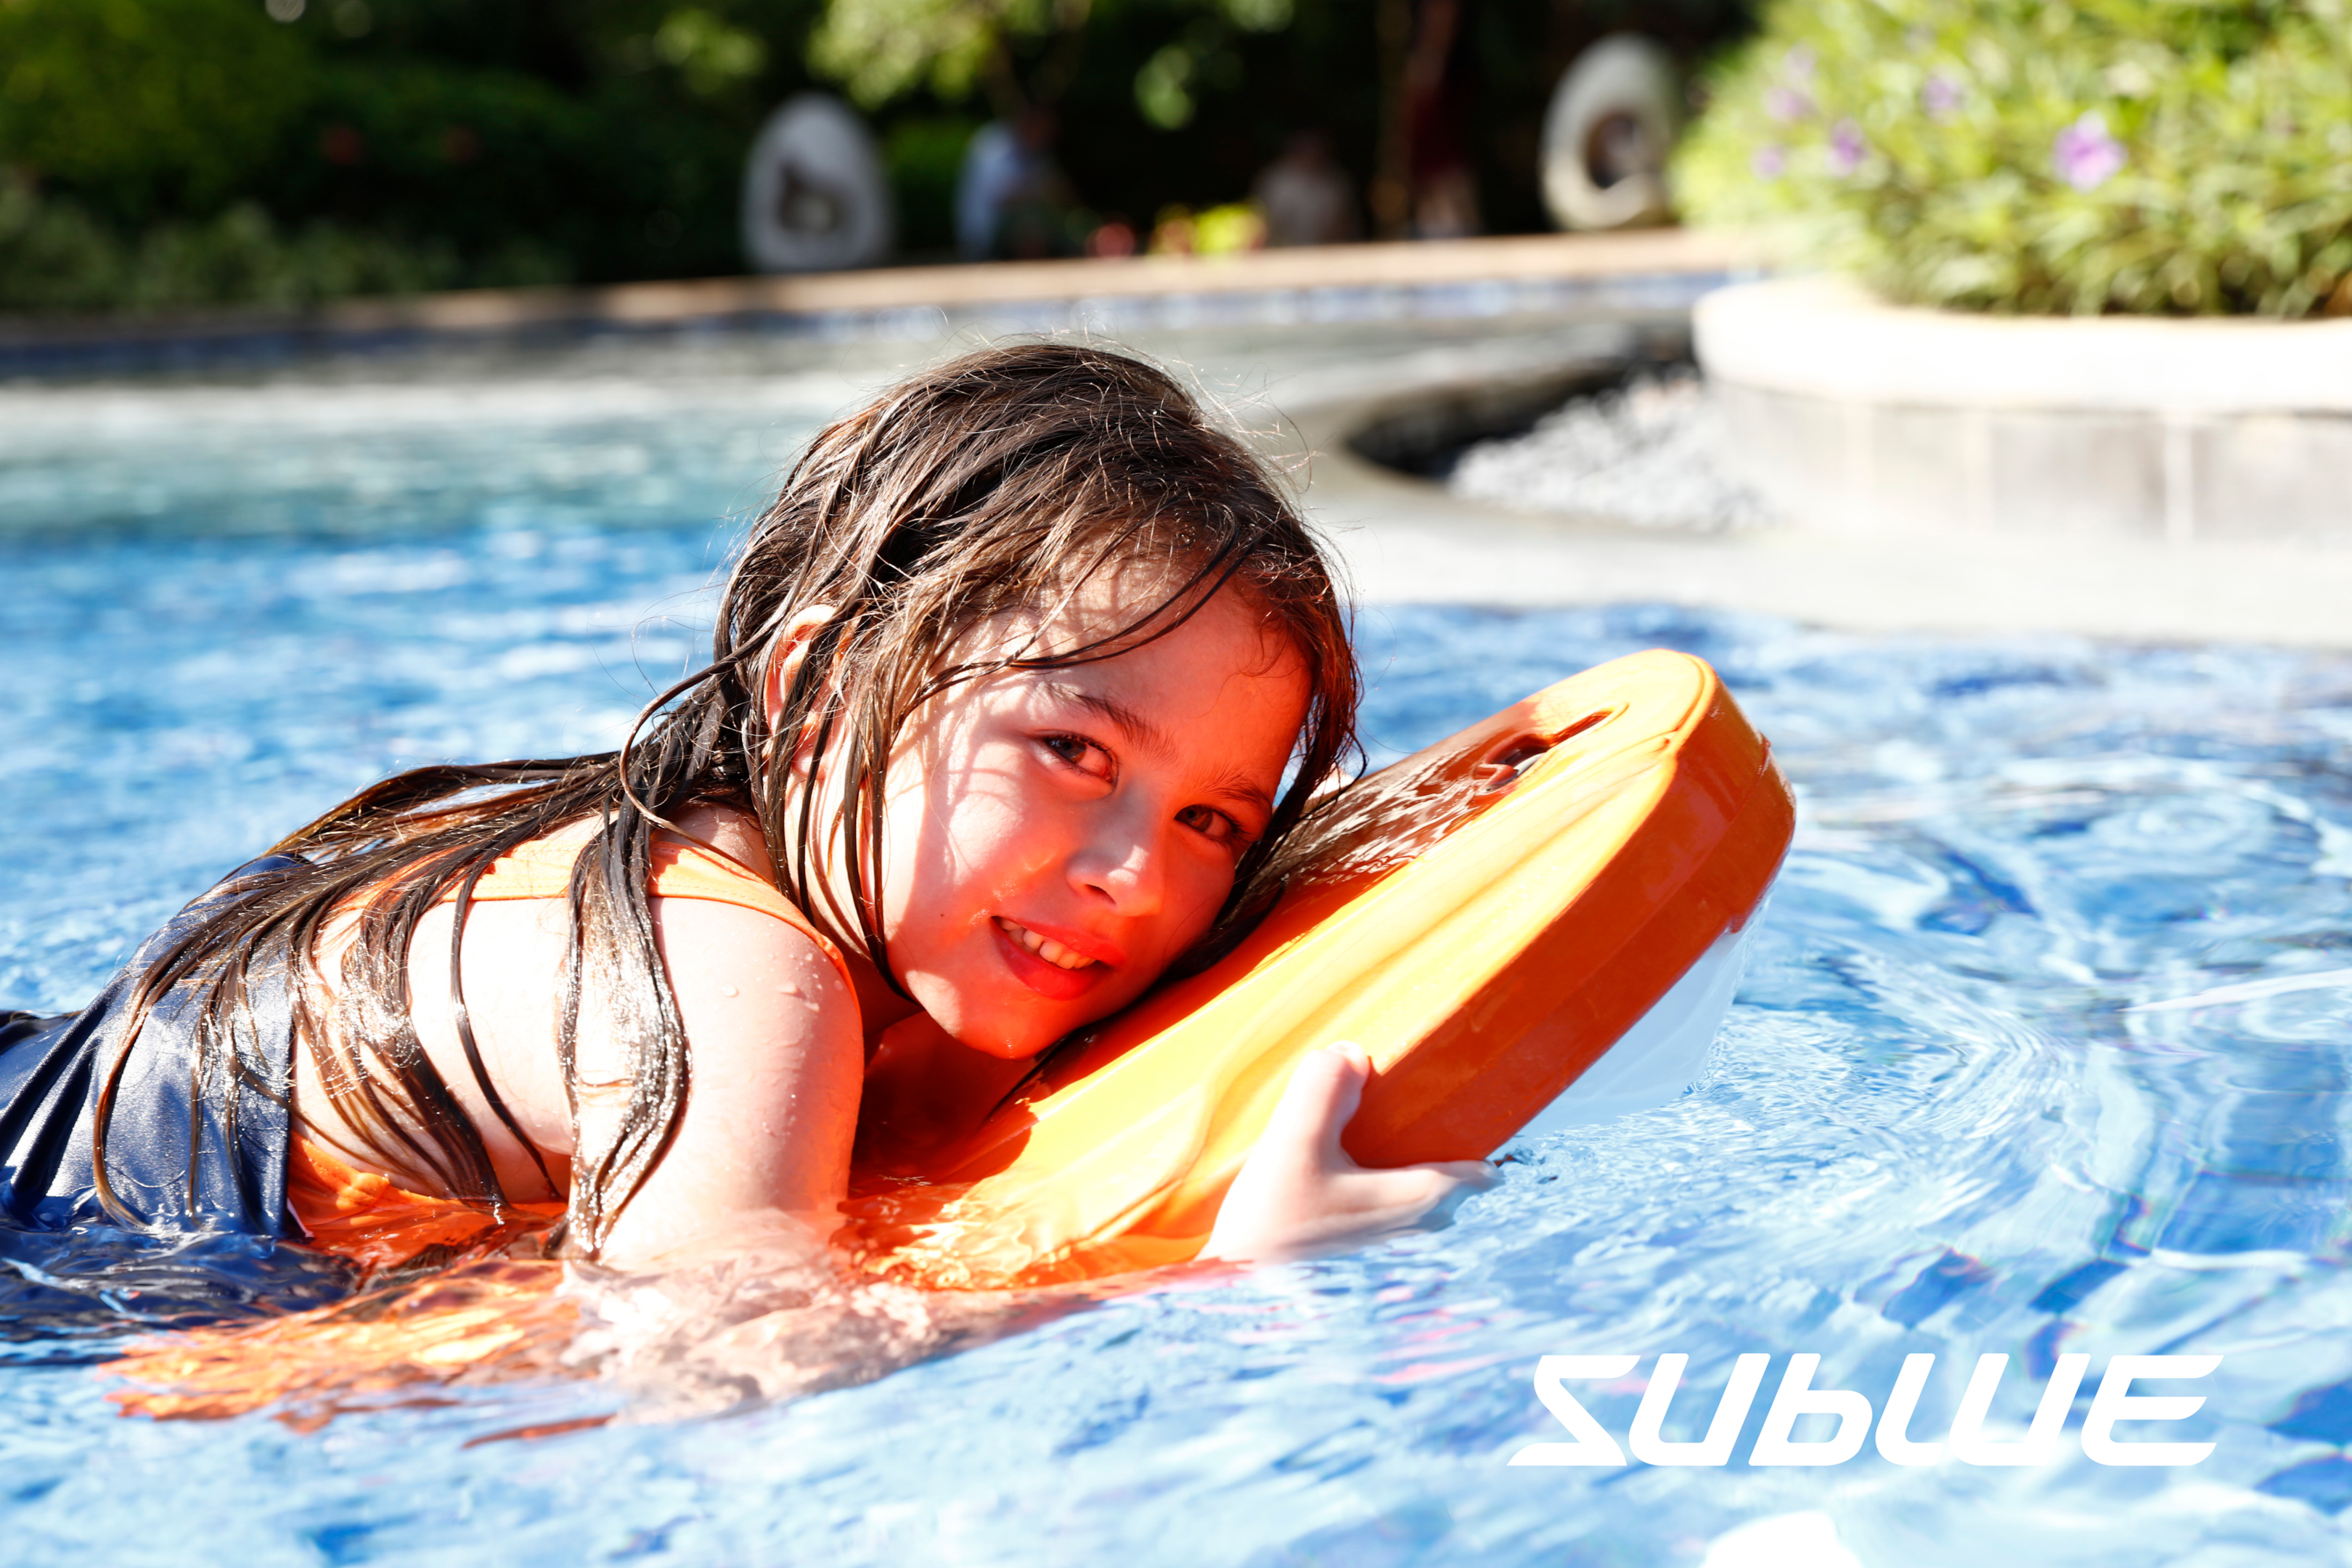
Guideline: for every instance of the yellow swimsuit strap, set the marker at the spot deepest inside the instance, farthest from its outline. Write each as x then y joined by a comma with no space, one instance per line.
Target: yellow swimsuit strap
681,868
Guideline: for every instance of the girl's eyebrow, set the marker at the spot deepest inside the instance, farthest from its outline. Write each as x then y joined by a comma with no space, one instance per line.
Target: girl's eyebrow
1234,786
1137,730
1140,732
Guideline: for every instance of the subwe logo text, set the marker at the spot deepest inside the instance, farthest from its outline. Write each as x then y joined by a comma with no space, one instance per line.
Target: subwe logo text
1777,1444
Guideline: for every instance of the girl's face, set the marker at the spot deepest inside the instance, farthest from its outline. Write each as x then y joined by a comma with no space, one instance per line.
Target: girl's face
1054,838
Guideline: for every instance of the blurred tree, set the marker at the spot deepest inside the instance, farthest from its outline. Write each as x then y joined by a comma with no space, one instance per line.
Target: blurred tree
923,155
454,141
588,139
1168,102
880,49
167,151
146,108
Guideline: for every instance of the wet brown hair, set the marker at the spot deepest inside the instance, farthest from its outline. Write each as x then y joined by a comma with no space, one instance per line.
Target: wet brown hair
998,483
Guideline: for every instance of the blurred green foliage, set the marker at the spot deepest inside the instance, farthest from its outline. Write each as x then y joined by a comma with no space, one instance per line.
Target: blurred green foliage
55,256
161,153
2162,156
922,156
149,106
880,49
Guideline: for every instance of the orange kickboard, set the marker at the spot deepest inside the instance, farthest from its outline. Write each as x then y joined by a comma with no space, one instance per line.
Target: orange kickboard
1486,918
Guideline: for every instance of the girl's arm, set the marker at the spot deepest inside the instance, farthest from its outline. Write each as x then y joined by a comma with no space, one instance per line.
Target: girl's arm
1301,1192
773,1104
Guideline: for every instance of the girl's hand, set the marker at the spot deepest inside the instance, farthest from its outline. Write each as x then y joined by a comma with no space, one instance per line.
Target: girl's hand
1299,1192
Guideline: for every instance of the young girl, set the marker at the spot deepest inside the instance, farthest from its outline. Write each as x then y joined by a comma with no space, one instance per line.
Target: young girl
1005,689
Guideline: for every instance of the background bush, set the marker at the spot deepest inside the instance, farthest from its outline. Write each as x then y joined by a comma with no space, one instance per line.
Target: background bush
2169,156
161,153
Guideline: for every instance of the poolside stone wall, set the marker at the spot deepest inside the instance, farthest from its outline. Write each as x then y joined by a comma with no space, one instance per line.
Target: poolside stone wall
1861,417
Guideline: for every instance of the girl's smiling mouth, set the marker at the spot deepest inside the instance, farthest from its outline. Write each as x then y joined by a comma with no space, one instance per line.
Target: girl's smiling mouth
1053,967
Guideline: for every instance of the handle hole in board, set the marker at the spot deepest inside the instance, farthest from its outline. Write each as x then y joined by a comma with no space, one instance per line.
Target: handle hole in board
1509,758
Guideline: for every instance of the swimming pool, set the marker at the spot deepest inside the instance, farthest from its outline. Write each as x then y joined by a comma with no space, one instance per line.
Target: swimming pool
1931,1125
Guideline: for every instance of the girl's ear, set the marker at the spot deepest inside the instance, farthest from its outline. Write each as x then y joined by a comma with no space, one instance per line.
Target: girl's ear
791,652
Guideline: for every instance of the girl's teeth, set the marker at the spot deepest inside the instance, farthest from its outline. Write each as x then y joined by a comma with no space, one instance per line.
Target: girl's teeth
1047,948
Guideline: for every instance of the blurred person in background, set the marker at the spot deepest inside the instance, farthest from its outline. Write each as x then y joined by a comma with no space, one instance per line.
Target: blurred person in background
1305,197
1011,200
1437,90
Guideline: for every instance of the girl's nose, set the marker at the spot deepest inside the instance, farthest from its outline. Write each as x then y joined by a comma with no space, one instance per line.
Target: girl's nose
1123,865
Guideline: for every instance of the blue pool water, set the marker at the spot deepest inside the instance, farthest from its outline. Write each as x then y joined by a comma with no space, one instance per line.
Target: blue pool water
1932,1124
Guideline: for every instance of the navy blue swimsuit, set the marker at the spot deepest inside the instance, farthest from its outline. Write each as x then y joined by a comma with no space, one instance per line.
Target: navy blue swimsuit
183,1153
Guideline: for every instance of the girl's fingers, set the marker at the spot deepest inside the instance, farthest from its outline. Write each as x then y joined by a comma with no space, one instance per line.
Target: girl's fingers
1414,1183
1411,1193
1477,1174
1299,1191
1324,1091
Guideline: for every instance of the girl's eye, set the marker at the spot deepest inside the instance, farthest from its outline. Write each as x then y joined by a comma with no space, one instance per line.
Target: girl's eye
1214,824
1079,753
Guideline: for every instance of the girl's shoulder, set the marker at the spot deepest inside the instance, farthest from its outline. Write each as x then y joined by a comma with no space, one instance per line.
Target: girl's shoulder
714,854
718,856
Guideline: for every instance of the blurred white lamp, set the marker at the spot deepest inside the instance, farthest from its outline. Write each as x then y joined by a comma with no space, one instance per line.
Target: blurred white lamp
815,197
1612,125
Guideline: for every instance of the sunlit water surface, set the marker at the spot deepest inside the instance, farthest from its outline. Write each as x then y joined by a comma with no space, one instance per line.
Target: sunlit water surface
1931,1124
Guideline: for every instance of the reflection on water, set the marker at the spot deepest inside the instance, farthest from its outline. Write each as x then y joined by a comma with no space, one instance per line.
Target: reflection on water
1934,1123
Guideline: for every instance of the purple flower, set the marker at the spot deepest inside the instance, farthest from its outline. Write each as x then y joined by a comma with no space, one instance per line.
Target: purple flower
2085,155
1768,162
1786,103
1940,96
1846,147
